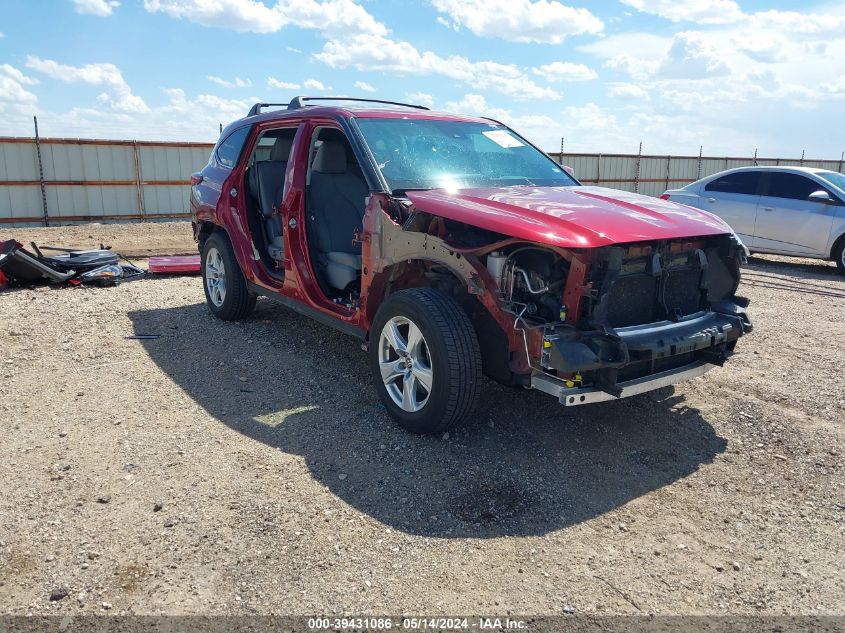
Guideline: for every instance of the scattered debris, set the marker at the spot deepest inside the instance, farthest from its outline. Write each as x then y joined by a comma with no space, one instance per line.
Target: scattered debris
178,264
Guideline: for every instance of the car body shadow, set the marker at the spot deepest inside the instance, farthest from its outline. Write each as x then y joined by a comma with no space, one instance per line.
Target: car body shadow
523,465
801,276
800,267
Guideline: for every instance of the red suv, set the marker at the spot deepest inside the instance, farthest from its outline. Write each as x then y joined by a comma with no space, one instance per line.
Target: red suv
452,247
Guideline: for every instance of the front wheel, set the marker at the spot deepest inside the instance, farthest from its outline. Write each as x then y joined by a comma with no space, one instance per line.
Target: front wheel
425,360
839,256
226,291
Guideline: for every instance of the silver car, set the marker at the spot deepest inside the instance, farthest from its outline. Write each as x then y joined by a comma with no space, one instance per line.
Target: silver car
782,210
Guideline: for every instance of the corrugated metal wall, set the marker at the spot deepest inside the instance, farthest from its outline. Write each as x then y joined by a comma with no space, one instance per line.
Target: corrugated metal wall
95,181
99,181
652,175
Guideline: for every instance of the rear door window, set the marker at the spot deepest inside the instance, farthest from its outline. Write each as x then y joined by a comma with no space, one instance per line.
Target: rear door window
746,182
229,150
791,186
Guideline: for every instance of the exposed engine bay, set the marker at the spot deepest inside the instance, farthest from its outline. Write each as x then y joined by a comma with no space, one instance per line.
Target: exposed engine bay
622,312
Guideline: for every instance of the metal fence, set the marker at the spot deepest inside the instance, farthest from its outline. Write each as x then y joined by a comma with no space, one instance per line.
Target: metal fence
652,175
63,181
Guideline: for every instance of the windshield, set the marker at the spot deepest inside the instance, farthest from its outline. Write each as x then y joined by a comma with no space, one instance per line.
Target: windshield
834,178
431,154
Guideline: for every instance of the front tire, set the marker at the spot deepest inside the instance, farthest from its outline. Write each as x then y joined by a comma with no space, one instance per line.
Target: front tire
839,256
226,291
425,360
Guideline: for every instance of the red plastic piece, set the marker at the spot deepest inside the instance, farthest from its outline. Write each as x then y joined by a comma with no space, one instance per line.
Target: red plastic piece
178,264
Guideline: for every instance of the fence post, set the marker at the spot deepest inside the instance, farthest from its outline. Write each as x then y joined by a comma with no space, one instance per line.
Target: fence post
841,160
41,173
668,165
560,157
801,162
700,151
637,176
138,186
755,156
598,170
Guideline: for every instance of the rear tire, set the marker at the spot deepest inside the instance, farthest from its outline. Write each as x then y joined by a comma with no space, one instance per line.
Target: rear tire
425,360
226,291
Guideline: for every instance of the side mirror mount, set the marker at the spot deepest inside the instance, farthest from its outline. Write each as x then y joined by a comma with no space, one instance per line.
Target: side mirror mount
569,170
821,196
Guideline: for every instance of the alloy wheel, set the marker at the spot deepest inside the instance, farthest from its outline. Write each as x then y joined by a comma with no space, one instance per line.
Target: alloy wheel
215,277
405,364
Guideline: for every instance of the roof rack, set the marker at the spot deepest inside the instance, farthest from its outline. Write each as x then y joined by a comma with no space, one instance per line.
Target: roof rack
299,102
256,109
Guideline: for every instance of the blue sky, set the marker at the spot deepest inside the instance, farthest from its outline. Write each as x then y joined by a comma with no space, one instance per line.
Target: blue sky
731,75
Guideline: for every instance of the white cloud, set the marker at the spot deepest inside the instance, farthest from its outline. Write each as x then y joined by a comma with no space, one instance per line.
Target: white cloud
565,71
119,97
281,85
363,85
327,16
543,21
761,80
313,84
18,76
699,11
626,91
292,49
420,98
374,53
96,7
180,118
13,96
693,55
237,82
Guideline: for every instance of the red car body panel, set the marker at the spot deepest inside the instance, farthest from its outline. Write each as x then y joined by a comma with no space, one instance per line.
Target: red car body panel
570,217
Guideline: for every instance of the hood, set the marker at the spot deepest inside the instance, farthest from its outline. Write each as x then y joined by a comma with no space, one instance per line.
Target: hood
570,217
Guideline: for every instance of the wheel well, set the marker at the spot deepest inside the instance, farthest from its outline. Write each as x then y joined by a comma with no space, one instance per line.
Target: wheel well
203,231
836,244
495,354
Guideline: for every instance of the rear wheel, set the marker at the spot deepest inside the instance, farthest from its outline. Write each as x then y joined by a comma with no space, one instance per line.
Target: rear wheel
425,360
226,291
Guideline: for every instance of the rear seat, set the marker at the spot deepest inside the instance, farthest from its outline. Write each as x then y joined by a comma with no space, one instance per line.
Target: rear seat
266,182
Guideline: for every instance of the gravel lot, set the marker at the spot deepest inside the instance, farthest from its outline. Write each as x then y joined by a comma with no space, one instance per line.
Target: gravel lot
248,468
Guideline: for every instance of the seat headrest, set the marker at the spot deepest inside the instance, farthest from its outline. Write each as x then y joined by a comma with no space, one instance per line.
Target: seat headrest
330,158
281,148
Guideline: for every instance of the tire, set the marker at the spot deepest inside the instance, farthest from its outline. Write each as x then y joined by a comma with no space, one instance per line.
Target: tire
230,300
839,256
446,355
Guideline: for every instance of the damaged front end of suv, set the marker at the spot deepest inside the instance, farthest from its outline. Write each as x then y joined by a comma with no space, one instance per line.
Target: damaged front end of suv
577,311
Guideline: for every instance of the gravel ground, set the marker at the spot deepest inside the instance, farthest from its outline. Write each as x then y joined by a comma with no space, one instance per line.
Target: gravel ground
248,468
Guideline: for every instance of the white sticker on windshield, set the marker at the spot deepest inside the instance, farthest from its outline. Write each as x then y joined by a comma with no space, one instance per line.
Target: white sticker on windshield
503,138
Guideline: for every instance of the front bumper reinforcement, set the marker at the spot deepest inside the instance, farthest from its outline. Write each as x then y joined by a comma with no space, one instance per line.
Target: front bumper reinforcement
704,339
573,396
